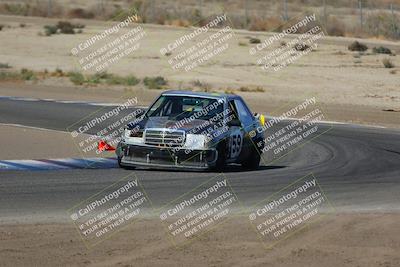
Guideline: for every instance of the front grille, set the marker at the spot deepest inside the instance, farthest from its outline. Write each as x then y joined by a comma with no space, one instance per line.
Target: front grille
164,137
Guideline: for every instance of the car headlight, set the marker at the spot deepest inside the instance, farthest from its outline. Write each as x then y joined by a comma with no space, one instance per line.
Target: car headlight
195,141
127,133
134,136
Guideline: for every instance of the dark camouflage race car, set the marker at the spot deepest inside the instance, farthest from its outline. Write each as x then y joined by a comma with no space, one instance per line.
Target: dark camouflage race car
193,130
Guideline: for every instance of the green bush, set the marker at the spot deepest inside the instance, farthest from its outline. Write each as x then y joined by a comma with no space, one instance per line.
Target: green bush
4,66
155,82
102,78
76,78
4,76
382,50
66,27
50,29
28,75
132,80
254,40
119,80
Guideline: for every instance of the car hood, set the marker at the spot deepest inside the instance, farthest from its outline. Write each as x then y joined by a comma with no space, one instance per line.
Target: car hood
195,126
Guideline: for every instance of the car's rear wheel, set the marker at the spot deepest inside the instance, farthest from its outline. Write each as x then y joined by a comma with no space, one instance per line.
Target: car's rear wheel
252,162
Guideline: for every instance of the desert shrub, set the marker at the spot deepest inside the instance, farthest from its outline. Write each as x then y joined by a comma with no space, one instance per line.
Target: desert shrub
387,63
50,29
76,78
22,25
254,40
58,73
230,91
63,27
206,87
80,13
382,50
66,27
251,89
98,77
130,80
102,78
4,66
357,46
6,76
1,27
155,82
28,75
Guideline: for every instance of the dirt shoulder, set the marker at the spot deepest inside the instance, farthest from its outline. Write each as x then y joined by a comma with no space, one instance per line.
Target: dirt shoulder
352,86
336,240
20,142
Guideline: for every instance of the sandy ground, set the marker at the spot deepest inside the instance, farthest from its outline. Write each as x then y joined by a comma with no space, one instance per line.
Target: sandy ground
346,89
20,142
336,240
352,88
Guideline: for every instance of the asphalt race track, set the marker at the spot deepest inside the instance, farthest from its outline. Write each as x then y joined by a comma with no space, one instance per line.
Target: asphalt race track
356,166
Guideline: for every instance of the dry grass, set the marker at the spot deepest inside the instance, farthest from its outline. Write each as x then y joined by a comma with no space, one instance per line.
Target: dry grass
266,24
256,89
342,20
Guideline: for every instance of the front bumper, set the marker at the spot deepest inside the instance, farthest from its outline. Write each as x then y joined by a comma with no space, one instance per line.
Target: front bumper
166,158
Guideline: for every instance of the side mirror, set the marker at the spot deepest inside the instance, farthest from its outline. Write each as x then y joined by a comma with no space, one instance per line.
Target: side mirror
234,122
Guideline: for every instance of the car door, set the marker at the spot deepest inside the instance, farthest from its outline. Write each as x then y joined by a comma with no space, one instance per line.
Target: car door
248,124
236,134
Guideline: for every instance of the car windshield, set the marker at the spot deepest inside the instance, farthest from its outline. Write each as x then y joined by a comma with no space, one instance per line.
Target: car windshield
181,107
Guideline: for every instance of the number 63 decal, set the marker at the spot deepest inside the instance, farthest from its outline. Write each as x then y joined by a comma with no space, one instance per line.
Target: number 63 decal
236,142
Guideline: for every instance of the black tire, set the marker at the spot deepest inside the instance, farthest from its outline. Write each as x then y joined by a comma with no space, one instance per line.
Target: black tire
252,162
123,166
119,162
221,160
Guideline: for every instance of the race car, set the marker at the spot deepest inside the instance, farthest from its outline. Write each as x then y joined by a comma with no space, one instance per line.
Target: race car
193,130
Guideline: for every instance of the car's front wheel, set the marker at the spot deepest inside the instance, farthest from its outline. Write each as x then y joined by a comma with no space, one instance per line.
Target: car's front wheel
221,160
119,162
252,162
123,166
